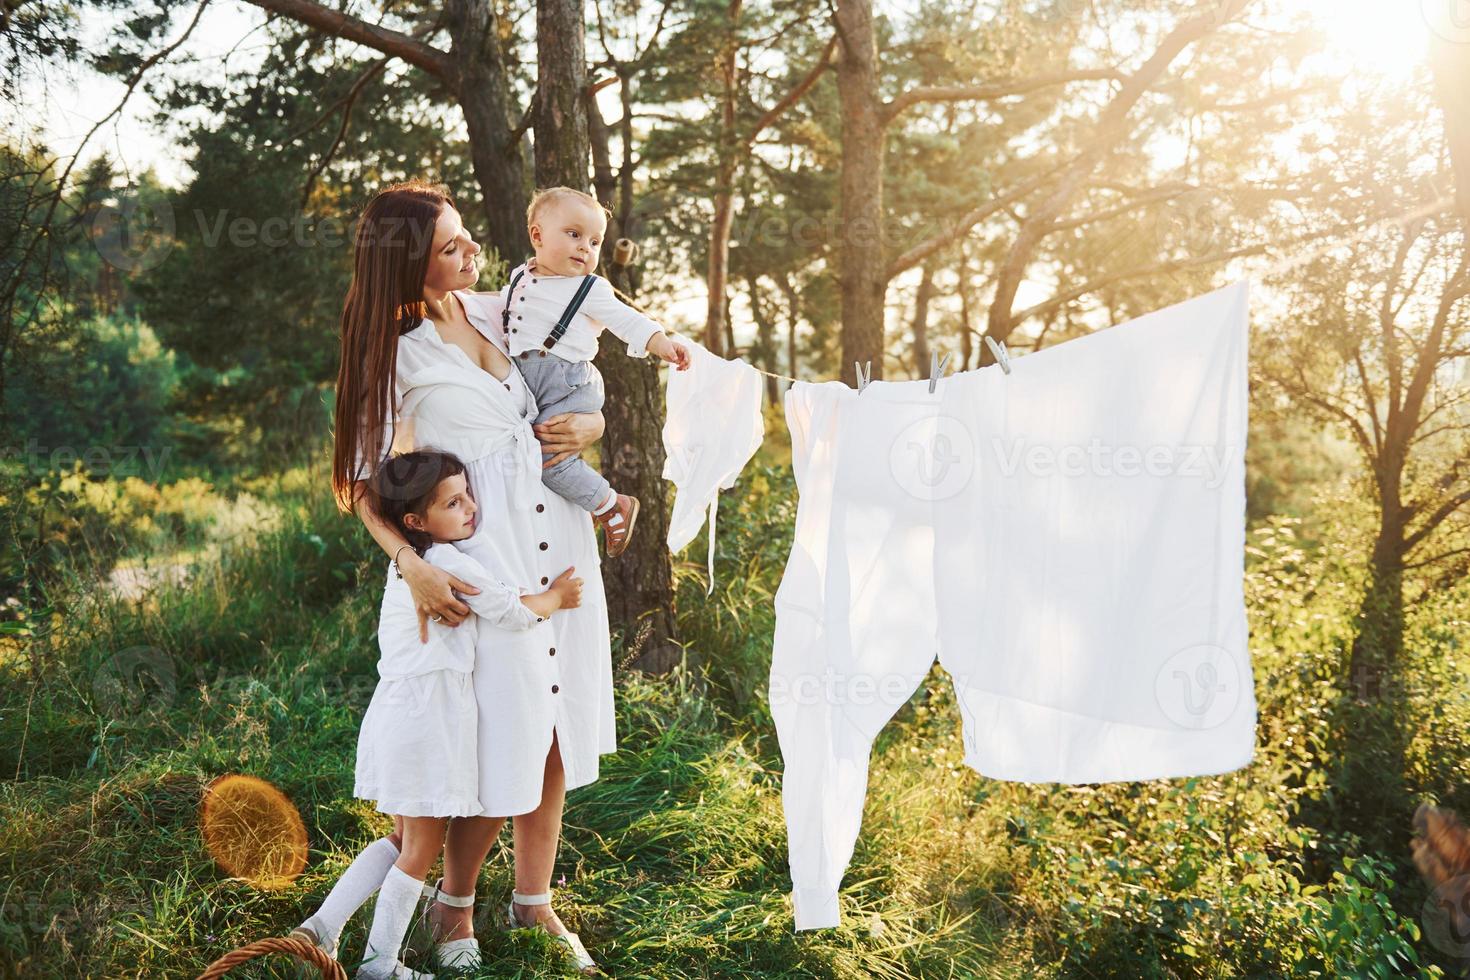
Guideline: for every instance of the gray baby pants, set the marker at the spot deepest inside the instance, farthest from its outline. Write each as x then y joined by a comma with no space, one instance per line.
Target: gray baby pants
566,386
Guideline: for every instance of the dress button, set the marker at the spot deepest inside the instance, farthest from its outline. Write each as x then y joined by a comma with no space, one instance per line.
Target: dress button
513,330
540,508
553,651
541,352
544,580
554,689
543,546
519,317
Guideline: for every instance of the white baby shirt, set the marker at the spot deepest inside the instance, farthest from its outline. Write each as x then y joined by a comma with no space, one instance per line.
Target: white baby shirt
712,427
539,300
402,654
1068,539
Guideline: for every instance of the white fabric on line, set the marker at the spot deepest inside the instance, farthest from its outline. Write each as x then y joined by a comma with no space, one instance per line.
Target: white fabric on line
1068,539
712,428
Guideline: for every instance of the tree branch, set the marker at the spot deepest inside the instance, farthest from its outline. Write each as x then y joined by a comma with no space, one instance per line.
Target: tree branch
795,95
1439,557
1162,268
1164,192
970,219
1305,394
1434,520
348,101
383,39
1111,127
995,90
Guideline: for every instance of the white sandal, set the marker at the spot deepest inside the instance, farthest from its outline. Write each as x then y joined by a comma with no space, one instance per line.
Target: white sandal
585,963
456,954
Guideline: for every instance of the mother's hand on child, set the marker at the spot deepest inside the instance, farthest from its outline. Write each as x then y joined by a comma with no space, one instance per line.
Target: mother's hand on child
432,595
566,435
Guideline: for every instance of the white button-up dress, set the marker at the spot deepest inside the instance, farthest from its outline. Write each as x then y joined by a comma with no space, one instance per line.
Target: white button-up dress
557,675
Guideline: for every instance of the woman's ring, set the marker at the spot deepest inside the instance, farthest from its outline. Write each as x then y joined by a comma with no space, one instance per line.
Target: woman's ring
437,619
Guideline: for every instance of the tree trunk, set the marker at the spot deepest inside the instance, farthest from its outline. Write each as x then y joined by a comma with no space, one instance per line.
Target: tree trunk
1451,65
484,98
862,273
765,343
1380,622
719,233
640,582
793,318
921,323
560,111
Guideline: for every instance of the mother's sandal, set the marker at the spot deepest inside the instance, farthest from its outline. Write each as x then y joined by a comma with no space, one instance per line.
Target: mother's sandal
585,963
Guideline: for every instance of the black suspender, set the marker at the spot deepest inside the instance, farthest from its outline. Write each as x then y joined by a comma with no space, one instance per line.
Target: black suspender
509,296
558,331
583,288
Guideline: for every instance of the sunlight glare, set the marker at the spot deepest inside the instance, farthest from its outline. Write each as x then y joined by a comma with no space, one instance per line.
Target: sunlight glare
1385,38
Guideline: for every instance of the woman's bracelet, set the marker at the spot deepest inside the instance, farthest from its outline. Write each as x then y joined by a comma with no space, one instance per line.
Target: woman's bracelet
398,571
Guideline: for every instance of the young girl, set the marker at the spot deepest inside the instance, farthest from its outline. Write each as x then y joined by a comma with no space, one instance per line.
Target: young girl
416,749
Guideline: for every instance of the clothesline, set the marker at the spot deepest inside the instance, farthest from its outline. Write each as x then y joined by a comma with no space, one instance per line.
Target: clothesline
1282,266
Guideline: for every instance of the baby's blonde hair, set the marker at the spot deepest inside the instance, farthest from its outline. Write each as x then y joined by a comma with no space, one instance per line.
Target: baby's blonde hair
553,195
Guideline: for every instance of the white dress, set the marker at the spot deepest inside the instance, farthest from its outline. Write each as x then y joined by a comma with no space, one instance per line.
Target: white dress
417,751
557,675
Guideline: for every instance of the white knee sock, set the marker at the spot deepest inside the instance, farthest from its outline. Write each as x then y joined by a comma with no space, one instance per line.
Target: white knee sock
392,915
356,886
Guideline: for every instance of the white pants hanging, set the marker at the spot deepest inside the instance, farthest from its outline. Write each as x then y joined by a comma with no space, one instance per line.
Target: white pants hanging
1068,539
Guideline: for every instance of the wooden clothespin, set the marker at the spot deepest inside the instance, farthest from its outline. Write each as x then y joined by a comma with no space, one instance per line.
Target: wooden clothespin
936,369
1002,357
864,375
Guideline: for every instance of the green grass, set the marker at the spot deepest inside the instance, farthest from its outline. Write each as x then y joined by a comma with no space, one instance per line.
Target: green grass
674,860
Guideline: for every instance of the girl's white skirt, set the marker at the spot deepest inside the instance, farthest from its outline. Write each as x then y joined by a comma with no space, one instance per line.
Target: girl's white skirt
416,751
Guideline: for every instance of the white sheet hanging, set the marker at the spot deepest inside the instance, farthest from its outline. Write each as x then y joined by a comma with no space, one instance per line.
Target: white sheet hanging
712,427
1069,539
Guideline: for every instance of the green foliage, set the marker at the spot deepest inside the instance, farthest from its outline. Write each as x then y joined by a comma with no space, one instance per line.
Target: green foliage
118,401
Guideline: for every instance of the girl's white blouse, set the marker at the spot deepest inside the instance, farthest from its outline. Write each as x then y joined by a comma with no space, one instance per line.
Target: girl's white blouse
557,675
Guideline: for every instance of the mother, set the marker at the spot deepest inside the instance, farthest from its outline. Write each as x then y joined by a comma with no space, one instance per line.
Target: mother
424,363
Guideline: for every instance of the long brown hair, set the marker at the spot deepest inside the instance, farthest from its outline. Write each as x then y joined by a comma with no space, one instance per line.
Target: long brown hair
390,260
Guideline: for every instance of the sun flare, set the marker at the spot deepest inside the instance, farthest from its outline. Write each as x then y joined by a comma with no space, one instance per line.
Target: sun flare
1387,38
